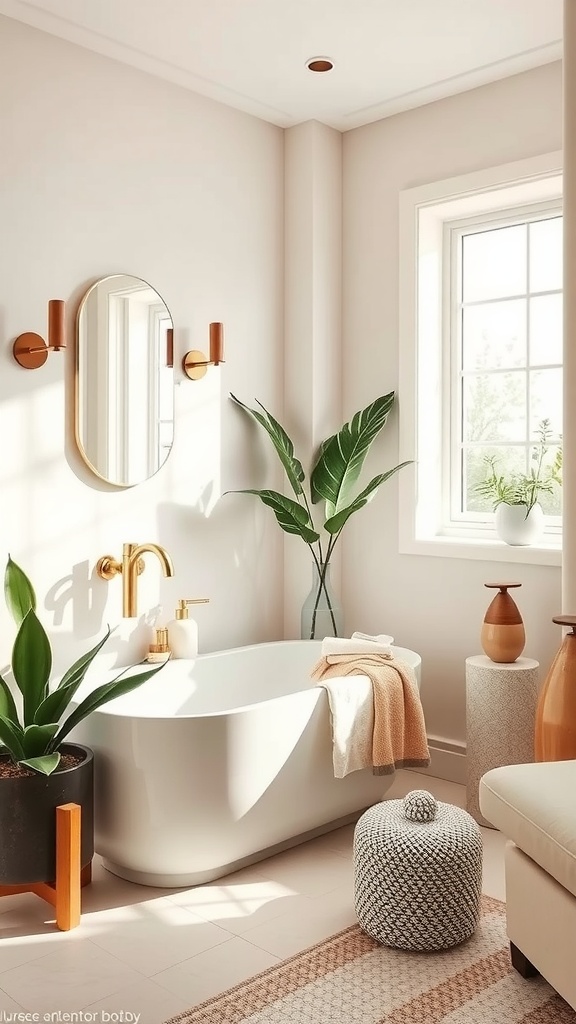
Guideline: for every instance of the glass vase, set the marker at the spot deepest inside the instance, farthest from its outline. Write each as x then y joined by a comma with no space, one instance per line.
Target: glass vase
321,612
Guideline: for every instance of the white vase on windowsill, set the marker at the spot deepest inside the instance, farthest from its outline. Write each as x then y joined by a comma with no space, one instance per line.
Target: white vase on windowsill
515,527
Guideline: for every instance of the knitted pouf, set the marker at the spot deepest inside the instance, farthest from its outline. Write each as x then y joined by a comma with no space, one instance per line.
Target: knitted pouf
417,873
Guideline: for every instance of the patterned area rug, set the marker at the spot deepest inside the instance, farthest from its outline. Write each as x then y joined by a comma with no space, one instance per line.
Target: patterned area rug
350,979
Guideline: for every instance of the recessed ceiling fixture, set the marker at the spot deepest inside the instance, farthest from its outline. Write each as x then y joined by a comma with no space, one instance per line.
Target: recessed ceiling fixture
319,64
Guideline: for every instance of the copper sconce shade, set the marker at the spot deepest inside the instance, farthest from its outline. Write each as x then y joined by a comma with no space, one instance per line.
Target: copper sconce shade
195,363
30,350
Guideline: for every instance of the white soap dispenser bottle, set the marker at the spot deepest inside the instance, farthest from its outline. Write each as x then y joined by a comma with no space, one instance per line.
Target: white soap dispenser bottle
183,631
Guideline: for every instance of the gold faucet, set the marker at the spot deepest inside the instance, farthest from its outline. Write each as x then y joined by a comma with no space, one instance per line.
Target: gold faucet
131,566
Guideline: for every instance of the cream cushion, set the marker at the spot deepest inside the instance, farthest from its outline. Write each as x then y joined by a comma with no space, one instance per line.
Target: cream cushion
535,806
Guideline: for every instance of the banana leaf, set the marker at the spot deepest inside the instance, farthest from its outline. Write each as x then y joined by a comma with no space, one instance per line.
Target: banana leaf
282,443
341,460
336,522
292,517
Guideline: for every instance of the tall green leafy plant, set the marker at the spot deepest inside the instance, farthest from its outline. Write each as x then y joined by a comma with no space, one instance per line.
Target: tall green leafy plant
33,737
335,473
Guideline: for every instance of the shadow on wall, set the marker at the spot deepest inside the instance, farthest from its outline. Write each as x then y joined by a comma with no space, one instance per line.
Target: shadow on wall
87,596
213,547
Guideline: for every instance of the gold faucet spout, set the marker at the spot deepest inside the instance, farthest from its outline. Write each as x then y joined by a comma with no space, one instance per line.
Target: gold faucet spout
132,565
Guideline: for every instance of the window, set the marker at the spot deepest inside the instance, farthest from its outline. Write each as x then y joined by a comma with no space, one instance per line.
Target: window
505,352
481,352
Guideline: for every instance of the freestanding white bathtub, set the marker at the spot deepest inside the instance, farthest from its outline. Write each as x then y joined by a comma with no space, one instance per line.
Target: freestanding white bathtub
218,761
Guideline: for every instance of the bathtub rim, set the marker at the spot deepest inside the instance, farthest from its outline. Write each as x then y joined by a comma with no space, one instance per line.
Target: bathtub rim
109,711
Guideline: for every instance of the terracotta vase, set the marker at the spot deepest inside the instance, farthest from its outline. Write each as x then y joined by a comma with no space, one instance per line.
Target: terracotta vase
503,637
555,731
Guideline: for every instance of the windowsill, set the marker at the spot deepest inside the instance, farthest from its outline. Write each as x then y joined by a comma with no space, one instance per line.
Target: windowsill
547,552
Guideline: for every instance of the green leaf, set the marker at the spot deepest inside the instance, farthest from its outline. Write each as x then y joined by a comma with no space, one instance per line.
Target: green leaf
31,664
7,704
18,591
102,695
335,523
314,493
11,736
37,738
54,705
282,443
292,517
44,765
341,460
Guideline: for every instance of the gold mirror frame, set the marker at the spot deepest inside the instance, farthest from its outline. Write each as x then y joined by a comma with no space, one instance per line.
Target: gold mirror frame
123,380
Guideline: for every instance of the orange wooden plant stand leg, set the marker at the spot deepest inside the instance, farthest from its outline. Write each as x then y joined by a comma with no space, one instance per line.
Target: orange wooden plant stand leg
64,895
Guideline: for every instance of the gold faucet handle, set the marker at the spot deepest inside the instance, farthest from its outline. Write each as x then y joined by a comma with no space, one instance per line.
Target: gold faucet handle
107,567
198,600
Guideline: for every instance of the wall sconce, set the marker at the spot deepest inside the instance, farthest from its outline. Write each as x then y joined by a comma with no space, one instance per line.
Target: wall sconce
30,350
195,363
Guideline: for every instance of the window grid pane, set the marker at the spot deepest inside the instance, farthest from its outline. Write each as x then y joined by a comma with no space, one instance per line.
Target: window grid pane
496,338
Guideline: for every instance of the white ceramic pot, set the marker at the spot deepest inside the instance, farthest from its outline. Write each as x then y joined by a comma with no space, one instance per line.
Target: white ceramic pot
514,527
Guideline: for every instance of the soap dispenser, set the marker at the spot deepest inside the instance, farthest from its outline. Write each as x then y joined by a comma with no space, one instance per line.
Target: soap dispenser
183,631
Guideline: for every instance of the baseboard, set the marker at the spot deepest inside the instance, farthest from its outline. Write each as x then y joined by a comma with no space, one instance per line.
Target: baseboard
447,761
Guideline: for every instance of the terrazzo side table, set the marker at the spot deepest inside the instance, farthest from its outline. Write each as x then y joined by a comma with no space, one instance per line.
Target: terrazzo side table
501,703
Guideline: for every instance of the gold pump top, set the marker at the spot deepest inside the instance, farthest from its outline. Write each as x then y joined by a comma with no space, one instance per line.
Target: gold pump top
182,609
161,645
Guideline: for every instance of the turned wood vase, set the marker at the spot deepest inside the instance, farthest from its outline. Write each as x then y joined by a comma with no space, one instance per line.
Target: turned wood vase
502,637
555,729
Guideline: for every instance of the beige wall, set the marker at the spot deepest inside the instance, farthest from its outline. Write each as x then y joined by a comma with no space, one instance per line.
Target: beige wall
109,170
432,604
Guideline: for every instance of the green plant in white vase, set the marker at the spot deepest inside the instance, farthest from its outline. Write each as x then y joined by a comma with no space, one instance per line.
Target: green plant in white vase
333,479
521,491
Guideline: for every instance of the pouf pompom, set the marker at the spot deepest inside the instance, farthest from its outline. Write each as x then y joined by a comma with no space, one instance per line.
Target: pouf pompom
420,805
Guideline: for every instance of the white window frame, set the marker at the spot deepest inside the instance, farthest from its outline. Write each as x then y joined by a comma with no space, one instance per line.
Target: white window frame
427,213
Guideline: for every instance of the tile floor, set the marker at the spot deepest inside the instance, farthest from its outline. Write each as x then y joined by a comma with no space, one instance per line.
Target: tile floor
156,952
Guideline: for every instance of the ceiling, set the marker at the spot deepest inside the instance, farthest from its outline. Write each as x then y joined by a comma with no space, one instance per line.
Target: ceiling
389,55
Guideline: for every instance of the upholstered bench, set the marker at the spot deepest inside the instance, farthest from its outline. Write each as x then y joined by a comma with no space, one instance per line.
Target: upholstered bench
534,805
417,873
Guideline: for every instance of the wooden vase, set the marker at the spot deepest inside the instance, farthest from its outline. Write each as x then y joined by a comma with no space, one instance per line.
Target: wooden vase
555,731
502,636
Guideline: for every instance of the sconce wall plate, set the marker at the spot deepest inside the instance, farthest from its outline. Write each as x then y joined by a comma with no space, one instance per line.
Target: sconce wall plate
30,351
195,364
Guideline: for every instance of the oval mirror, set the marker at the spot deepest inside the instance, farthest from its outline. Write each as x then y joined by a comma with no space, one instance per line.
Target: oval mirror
124,380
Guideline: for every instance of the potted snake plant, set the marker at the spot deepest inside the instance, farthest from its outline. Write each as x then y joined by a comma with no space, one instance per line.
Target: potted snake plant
39,769
333,478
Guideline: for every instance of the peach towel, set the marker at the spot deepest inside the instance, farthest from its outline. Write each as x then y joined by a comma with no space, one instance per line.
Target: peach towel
399,733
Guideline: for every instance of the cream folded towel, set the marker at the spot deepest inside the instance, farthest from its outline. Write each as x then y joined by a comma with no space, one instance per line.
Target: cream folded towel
352,714
332,645
379,638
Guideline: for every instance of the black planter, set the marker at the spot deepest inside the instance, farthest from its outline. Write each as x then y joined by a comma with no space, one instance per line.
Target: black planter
28,819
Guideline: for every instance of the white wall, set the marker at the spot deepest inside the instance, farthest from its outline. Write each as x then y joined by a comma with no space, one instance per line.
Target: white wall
108,170
432,604
312,323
